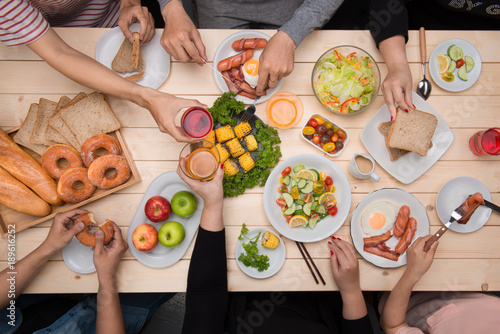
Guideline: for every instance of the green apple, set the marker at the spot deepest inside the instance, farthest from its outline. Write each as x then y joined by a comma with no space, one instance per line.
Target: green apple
184,203
171,234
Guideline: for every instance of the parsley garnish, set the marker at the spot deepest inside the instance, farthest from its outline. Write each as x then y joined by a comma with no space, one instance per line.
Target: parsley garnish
252,257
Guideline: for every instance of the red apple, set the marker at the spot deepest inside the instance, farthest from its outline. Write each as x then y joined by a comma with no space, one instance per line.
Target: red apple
145,237
157,209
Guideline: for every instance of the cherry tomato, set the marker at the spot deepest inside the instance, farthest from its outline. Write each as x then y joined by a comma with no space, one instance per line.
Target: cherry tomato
330,188
447,76
328,147
313,122
328,180
318,186
324,139
328,124
341,133
460,63
333,211
316,139
286,171
288,218
320,129
308,198
339,145
319,119
329,132
314,215
308,130
309,137
330,204
342,139
281,202
295,193
335,137
322,176
283,189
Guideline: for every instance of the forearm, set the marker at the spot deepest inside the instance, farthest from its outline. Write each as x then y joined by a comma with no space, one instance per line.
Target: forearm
12,285
388,19
126,3
393,50
353,305
109,312
394,313
211,217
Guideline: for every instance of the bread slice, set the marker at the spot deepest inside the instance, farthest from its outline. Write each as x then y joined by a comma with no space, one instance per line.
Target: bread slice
412,131
22,137
51,133
89,117
122,62
136,50
57,123
394,153
46,109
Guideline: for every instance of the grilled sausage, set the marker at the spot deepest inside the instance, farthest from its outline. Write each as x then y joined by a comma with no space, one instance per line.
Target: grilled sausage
401,221
234,61
249,43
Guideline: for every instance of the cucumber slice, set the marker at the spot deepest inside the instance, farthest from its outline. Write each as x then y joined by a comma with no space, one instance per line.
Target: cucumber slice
321,210
462,73
302,183
315,172
469,63
300,202
298,167
293,183
298,212
297,206
288,199
307,208
314,206
296,179
312,222
307,188
290,210
452,67
455,52
286,180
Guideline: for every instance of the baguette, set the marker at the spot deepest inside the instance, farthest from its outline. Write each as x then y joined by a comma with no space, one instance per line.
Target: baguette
16,196
26,169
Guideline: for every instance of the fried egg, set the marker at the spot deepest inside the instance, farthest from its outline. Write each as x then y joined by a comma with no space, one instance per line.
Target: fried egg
251,68
379,218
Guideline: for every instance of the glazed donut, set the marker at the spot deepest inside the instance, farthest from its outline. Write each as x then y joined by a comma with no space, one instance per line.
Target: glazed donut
87,236
54,154
67,187
103,165
91,145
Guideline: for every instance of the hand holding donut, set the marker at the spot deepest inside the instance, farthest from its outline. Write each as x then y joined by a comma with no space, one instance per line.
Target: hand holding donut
63,230
106,260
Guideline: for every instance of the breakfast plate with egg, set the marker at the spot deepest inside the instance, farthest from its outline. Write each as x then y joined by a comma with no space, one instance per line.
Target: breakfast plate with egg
249,68
376,214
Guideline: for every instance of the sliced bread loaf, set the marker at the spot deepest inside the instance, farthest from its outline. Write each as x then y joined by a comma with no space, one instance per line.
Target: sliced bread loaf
46,109
89,117
412,131
122,62
22,137
51,133
394,153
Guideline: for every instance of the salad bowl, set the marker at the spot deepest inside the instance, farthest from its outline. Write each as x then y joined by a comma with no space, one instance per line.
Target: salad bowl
346,80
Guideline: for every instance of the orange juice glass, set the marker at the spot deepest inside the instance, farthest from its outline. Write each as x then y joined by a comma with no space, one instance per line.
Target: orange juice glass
199,160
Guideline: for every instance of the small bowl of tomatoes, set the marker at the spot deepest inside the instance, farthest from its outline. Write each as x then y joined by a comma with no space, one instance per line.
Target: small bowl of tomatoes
325,135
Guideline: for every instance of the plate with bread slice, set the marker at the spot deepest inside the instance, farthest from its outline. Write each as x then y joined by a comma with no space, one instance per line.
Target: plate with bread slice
409,146
148,64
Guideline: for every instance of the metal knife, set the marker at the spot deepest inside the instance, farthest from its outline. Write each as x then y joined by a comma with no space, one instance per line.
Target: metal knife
492,206
455,215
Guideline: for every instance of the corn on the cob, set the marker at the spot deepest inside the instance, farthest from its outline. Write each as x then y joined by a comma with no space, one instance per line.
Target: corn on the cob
224,133
235,148
246,162
269,240
242,129
210,137
223,153
230,167
251,143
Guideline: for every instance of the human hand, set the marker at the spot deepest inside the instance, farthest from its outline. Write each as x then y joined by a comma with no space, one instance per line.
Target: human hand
344,265
420,261
164,109
106,260
276,61
130,14
210,191
63,230
180,37
397,88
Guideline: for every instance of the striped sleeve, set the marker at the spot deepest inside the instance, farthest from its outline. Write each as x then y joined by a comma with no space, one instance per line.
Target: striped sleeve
20,23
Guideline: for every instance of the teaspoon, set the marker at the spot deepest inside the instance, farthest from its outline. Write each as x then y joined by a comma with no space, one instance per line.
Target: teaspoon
424,86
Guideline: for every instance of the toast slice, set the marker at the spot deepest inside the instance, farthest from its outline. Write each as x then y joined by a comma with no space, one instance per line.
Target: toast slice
89,117
57,123
394,153
412,131
51,133
46,109
122,62
22,137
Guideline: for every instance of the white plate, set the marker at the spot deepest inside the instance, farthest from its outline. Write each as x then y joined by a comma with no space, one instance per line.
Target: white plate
225,50
458,84
400,198
454,193
276,256
78,257
324,228
156,58
166,185
411,166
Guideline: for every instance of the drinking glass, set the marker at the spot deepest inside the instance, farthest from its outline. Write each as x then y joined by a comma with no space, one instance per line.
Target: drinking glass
199,160
486,142
197,122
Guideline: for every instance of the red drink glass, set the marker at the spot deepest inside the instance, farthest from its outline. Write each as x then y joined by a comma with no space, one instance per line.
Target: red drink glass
197,122
486,142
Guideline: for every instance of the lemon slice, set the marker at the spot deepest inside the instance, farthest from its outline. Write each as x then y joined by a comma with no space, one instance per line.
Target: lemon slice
307,174
443,62
326,197
298,220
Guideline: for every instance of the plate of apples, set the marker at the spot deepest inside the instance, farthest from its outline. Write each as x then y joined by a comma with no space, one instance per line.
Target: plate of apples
165,222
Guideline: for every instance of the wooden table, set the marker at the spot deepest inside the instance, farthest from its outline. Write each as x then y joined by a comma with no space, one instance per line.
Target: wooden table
463,261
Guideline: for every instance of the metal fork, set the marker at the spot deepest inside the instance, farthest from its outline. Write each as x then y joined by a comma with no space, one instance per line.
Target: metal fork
457,214
250,111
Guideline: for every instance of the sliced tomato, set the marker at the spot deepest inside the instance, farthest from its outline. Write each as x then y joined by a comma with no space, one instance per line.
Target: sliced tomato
283,189
288,218
281,202
308,198
286,171
460,63
328,180
314,215
330,204
333,211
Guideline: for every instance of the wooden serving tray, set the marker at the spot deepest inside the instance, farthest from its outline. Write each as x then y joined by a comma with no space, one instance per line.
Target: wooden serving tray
23,221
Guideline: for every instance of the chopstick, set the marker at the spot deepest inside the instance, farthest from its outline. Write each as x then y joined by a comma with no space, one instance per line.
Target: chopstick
304,249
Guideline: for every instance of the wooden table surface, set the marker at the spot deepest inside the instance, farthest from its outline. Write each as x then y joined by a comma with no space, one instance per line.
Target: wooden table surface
463,261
